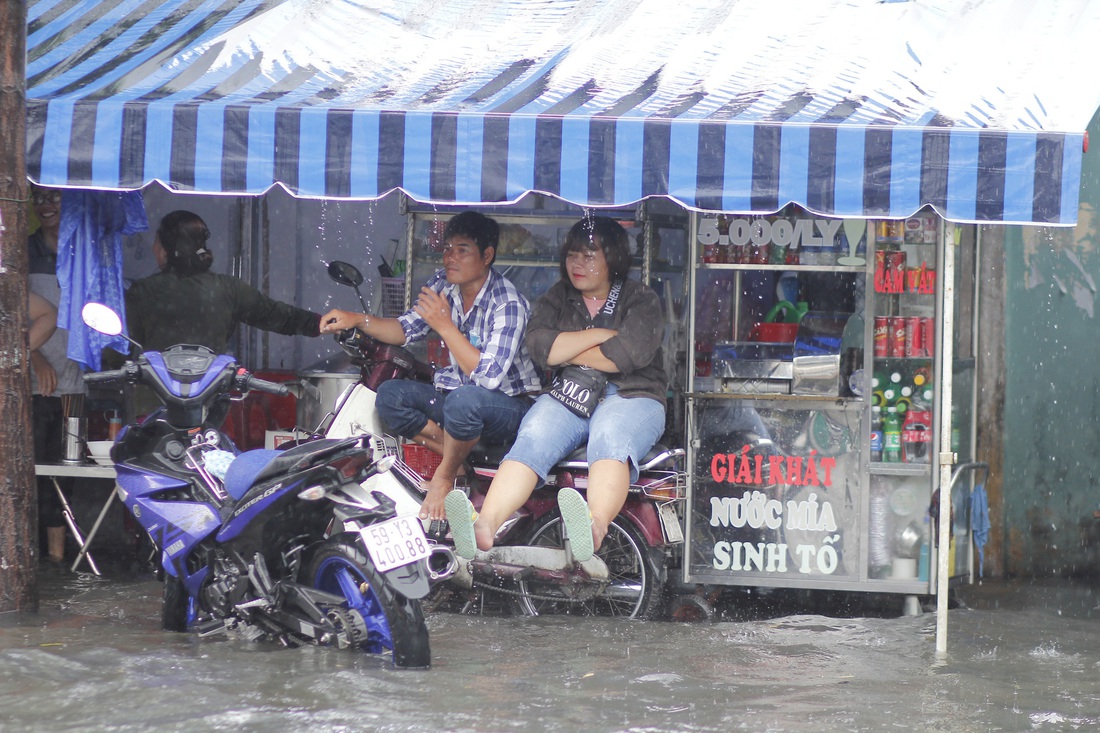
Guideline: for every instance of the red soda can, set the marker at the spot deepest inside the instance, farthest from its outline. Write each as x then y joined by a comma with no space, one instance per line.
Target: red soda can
880,270
914,341
881,336
896,344
710,254
928,336
895,272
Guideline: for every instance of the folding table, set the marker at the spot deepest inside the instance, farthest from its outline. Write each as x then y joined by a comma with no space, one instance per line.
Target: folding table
79,470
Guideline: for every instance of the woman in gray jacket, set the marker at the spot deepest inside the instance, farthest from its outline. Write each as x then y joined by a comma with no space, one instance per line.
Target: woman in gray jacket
601,332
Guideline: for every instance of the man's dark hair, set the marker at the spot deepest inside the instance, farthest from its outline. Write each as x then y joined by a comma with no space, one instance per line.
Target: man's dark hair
599,232
183,234
484,231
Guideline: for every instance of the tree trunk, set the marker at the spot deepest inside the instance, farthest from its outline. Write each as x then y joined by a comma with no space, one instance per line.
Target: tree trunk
18,499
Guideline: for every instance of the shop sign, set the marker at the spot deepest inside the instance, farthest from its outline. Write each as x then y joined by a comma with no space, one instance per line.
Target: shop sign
761,231
756,508
893,276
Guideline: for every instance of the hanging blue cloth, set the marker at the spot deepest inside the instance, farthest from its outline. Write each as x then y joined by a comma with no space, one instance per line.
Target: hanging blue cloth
979,522
89,264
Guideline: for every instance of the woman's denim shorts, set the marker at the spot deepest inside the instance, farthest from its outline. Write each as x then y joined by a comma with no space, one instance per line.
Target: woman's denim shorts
621,428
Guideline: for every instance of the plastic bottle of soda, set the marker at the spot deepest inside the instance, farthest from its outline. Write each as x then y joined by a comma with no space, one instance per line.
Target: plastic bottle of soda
916,436
876,433
891,436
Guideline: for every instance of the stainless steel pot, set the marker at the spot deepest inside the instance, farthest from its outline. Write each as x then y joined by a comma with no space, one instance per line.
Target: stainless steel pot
320,386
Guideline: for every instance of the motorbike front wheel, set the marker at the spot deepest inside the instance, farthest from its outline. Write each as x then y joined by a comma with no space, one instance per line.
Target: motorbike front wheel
392,621
635,587
173,614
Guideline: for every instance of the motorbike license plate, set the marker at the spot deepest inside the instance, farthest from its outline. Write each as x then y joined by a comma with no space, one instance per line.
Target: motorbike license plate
395,542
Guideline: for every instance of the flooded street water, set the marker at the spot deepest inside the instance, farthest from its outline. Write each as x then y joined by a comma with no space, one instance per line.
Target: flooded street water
1021,657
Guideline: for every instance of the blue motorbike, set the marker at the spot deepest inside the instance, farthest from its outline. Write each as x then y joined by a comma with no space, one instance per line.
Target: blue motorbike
281,545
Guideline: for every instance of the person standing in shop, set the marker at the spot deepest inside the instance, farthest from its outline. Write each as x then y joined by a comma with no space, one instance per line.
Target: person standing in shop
56,380
186,303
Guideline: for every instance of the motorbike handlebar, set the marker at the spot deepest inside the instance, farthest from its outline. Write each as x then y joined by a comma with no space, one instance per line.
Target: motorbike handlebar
112,375
262,385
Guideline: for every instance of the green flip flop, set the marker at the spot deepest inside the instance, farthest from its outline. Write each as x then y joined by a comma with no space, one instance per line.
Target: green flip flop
461,516
578,523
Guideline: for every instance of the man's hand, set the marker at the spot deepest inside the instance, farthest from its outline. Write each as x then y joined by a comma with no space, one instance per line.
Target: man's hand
338,320
435,309
44,373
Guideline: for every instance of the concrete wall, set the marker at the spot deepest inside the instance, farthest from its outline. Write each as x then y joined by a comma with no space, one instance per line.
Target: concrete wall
1052,391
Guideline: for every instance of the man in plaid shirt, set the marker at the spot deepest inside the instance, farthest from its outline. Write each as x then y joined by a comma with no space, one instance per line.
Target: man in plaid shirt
482,318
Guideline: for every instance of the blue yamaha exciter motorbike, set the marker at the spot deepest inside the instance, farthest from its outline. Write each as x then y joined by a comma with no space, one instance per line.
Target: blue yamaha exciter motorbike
283,545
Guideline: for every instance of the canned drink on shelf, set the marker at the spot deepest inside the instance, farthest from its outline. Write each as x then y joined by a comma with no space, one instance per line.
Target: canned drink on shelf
881,336
895,272
914,230
914,341
912,279
890,232
880,270
896,344
928,336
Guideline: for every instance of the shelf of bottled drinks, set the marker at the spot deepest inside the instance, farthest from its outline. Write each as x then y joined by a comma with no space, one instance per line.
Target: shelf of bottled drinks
814,399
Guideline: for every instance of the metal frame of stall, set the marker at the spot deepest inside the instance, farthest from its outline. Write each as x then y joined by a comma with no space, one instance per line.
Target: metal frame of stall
945,458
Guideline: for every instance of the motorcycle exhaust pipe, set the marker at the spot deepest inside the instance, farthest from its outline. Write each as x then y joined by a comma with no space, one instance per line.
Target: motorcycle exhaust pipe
442,563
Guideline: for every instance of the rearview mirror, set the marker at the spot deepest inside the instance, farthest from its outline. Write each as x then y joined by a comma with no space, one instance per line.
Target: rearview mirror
100,318
345,273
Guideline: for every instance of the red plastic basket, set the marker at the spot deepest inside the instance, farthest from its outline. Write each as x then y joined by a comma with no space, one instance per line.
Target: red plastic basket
421,459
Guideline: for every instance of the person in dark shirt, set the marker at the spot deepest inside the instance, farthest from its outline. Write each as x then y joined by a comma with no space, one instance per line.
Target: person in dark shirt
185,303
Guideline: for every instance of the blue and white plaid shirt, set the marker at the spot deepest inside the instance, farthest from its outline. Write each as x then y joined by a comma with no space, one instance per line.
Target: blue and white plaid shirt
495,325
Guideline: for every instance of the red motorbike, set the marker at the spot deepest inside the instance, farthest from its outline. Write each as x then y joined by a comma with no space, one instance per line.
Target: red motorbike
530,568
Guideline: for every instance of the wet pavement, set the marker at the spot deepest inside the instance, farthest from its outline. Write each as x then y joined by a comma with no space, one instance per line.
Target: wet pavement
1022,655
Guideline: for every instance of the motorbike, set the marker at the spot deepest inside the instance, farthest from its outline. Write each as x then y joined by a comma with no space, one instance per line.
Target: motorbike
281,545
530,566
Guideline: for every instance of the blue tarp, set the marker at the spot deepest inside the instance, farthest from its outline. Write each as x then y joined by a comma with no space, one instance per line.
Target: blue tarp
89,264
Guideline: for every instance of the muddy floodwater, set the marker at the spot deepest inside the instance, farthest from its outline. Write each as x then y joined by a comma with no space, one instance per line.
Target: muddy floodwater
1023,656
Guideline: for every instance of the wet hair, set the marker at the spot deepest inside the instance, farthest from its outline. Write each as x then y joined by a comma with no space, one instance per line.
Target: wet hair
599,232
183,235
485,232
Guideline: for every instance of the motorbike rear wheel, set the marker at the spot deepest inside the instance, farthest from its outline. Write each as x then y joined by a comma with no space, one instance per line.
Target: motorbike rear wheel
392,621
636,586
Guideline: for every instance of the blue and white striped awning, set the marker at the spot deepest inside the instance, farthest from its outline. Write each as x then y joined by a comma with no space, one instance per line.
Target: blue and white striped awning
854,108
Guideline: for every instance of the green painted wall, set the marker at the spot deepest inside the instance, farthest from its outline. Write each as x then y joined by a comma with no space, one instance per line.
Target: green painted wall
1052,390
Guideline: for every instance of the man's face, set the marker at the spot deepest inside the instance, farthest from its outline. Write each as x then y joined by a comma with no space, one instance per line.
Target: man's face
47,206
463,262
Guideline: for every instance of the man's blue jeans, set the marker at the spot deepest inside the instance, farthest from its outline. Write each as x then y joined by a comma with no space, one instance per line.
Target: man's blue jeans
466,413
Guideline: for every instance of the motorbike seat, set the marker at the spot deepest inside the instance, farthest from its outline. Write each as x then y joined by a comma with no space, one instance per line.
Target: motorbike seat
493,454
251,467
245,468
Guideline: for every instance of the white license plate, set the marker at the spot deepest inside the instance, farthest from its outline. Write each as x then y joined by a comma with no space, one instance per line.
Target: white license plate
395,542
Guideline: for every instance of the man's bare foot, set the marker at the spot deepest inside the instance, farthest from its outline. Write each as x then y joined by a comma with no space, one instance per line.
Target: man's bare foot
432,507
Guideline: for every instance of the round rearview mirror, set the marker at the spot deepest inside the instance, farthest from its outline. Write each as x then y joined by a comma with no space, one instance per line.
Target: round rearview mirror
345,273
101,318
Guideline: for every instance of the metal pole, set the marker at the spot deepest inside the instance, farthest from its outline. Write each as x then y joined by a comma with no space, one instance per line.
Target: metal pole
947,458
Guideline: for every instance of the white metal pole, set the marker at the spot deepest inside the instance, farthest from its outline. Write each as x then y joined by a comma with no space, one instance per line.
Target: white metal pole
947,457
